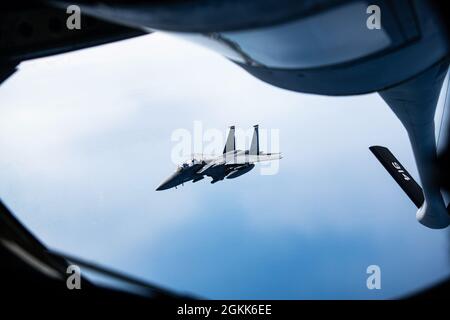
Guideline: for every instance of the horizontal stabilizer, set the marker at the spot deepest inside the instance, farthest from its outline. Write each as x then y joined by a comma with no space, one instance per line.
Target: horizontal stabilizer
399,173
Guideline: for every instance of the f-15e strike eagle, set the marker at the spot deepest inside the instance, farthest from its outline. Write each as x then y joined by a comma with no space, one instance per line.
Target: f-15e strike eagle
324,47
231,164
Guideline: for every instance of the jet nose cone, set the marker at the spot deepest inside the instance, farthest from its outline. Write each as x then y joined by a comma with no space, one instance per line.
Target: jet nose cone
171,182
163,186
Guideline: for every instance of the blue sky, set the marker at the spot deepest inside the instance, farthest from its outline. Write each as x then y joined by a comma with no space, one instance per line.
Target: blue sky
85,138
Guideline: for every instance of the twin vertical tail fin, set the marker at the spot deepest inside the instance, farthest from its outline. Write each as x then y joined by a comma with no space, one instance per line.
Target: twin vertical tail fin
230,145
254,147
399,173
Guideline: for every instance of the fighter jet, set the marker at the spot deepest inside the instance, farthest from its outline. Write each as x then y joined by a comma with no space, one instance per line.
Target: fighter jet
231,164
325,47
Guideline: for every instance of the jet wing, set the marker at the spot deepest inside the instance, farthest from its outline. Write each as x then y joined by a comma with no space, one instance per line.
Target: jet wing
251,158
211,165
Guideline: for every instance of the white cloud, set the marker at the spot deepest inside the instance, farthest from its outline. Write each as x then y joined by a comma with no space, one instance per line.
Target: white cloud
85,138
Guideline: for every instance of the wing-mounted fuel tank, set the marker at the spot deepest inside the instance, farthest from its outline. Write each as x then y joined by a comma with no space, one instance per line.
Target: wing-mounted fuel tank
240,171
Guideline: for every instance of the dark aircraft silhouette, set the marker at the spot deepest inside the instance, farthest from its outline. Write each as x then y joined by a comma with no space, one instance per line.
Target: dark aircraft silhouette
231,164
